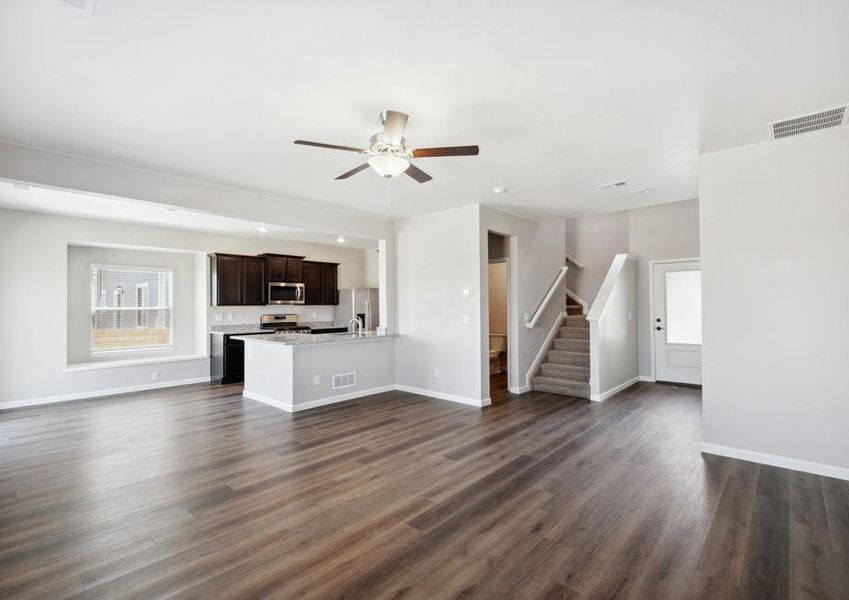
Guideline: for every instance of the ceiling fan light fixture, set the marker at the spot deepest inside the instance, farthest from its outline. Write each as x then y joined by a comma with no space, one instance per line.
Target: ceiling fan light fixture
388,165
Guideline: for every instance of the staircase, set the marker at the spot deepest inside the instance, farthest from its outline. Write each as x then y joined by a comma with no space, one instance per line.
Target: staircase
566,369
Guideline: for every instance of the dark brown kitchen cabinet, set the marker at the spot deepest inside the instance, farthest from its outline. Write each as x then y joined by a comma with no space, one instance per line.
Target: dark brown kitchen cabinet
254,287
282,267
312,282
320,285
329,290
237,280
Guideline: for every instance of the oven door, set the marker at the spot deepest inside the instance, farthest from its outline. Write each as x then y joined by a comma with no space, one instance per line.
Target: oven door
285,293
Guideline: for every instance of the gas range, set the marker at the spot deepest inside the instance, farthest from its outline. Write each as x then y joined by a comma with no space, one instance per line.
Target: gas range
282,323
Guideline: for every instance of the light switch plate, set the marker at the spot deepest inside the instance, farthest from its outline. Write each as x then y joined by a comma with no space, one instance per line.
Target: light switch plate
466,319
467,293
316,379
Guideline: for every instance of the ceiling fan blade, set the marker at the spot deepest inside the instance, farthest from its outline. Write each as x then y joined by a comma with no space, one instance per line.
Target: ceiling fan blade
417,174
394,126
447,151
331,146
353,171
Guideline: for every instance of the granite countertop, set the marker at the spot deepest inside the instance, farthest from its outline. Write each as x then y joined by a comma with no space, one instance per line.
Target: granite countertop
312,339
237,328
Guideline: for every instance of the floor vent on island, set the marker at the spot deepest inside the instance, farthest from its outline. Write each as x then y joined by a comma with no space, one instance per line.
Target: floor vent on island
344,380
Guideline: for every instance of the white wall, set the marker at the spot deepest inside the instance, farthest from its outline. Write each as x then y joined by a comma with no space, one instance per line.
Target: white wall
536,255
594,240
614,364
33,301
775,291
658,232
371,267
437,259
661,231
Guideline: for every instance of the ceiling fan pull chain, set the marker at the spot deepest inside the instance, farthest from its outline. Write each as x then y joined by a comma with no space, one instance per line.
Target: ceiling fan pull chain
388,200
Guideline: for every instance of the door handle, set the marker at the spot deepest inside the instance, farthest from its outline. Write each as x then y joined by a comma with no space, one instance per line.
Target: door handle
659,328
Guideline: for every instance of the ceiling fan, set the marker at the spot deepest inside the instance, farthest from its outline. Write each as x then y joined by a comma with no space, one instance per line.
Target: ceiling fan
388,150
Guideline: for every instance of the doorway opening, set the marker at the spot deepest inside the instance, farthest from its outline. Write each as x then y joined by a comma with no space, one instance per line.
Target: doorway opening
499,298
676,320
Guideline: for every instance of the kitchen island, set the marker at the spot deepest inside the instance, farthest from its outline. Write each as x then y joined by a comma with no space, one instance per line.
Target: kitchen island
297,371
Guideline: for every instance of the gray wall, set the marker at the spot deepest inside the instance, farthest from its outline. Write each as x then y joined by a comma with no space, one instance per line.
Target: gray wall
775,290
662,231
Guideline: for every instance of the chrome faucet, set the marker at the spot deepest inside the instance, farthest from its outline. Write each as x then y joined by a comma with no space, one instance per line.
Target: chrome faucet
358,326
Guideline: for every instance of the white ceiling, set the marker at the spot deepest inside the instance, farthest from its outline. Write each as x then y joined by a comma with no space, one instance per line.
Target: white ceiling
47,200
560,95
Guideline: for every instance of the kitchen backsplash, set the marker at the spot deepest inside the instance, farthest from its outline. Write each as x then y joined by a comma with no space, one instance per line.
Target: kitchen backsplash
229,315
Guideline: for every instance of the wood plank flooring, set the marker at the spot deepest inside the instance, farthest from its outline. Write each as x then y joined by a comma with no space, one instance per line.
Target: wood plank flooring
196,493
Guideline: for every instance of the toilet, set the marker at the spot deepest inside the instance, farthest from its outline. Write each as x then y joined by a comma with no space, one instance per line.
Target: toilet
497,347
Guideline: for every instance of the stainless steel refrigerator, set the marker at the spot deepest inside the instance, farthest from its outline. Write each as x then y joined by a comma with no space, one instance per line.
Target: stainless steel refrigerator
362,302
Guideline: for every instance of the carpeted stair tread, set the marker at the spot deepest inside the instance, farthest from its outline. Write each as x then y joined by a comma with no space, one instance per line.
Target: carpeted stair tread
558,385
565,371
575,333
565,357
572,345
577,321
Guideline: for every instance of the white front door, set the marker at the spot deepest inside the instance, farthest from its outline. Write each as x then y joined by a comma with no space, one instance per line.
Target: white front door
677,321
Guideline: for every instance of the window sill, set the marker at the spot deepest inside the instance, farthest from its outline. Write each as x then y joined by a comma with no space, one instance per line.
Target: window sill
147,351
114,364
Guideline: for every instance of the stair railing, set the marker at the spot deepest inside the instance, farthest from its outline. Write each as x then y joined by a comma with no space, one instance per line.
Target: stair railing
538,313
574,261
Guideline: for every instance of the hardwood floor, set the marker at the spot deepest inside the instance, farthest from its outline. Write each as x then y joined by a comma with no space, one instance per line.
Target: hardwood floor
195,493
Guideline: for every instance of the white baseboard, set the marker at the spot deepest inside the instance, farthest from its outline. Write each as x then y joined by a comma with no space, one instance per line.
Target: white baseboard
343,397
647,378
267,400
519,390
319,402
444,396
777,461
615,390
100,393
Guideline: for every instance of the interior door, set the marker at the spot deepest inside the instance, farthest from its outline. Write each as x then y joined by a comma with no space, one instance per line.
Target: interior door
677,321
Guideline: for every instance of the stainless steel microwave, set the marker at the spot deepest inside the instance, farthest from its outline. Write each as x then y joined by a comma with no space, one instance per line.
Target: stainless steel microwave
285,293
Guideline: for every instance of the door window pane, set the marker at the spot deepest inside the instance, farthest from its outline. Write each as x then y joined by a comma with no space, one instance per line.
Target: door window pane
684,307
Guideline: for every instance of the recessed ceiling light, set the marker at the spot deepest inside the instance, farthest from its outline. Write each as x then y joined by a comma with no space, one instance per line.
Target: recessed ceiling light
498,190
341,239
262,228
648,190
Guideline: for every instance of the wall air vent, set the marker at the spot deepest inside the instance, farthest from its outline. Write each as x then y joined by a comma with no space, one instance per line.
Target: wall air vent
825,119
344,380
612,185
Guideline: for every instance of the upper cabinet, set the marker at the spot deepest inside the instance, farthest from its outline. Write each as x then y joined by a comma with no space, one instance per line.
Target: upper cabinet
282,267
320,282
237,280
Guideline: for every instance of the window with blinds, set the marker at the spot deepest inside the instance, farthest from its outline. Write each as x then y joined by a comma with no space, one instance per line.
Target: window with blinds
131,307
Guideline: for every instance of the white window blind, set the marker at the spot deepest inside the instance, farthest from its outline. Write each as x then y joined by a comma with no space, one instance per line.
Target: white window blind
131,307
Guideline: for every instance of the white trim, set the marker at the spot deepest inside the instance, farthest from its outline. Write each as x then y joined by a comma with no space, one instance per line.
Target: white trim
543,350
647,378
777,461
538,313
652,316
319,402
101,393
574,261
519,390
113,364
615,390
579,300
267,400
444,396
